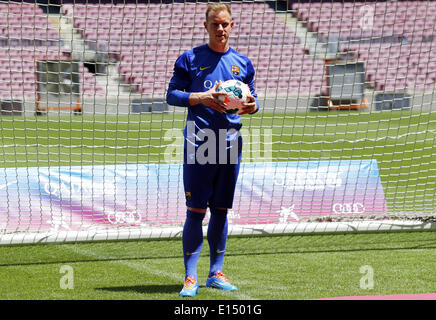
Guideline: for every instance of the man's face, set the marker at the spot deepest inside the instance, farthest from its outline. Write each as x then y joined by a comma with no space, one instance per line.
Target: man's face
218,25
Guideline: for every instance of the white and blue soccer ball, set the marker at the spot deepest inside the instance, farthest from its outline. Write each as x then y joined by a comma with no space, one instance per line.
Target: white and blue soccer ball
237,93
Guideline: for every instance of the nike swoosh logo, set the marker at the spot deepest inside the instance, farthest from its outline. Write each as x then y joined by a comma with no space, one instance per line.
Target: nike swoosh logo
204,68
191,253
220,251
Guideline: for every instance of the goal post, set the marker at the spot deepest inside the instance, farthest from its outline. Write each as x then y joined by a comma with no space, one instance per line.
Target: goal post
344,141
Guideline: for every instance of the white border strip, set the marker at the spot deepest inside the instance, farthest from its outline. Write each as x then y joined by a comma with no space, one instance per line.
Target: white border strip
234,230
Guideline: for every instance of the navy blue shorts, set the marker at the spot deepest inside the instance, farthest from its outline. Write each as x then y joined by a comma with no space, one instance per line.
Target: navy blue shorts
211,185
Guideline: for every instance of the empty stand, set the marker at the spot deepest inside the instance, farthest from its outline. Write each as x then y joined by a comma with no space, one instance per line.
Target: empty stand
148,38
414,20
398,67
396,40
26,36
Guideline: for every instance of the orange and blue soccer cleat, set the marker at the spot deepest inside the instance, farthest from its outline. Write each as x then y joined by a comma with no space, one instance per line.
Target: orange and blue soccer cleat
190,287
220,281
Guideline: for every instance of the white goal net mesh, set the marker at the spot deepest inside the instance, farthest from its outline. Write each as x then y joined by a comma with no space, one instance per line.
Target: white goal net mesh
90,150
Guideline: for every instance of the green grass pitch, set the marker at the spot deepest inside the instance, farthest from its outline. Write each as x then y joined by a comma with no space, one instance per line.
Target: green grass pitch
280,267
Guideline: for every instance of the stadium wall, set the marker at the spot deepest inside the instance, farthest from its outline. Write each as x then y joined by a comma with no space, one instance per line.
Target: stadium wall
118,105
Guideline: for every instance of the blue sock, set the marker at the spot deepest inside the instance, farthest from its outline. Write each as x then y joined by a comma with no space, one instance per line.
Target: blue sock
217,238
192,240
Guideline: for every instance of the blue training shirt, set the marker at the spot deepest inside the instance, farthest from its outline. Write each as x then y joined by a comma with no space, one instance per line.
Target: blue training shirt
198,70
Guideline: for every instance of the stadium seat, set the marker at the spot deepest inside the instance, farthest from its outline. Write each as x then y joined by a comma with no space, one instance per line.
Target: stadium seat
184,30
26,21
410,45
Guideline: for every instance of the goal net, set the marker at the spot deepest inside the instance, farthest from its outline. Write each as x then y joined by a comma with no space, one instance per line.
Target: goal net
90,150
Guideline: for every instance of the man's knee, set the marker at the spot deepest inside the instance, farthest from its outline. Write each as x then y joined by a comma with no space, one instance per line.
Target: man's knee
198,210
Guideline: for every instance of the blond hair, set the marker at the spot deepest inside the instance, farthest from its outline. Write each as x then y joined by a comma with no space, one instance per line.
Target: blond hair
217,7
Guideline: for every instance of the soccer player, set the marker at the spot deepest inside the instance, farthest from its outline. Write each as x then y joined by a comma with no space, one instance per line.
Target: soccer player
197,75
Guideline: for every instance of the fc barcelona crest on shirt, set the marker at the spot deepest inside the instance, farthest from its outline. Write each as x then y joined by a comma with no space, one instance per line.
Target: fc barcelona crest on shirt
236,71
